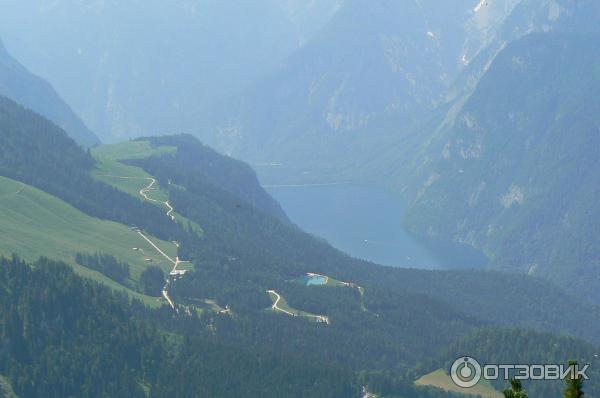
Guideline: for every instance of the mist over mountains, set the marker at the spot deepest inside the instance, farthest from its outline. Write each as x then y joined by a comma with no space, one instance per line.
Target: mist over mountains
132,68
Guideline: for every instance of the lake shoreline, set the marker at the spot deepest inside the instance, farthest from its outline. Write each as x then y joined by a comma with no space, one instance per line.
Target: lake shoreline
366,222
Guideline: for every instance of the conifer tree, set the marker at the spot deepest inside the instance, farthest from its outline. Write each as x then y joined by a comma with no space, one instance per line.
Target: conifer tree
574,383
516,390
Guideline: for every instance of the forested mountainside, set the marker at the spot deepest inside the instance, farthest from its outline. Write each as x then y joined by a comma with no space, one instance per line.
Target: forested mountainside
233,176
65,336
490,27
38,153
516,174
20,85
285,252
499,346
245,285
520,18
233,277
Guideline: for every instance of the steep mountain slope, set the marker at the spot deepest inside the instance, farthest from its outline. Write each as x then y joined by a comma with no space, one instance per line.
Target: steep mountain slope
516,175
19,84
38,153
485,30
131,68
38,156
365,96
498,23
231,175
372,71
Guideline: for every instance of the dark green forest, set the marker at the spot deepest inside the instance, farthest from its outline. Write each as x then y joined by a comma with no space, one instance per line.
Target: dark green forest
519,176
502,345
38,153
383,339
106,265
53,345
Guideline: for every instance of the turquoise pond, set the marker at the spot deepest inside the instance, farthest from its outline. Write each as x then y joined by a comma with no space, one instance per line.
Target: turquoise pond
315,280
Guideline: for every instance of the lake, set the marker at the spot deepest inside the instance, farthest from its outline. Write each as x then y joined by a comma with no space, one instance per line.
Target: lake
366,222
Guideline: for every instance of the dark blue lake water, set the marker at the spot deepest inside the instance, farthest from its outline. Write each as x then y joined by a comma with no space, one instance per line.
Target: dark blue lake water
366,222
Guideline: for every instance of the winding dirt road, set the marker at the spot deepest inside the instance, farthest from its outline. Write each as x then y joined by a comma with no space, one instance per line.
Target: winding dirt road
275,306
165,294
150,187
144,192
276,303
176,261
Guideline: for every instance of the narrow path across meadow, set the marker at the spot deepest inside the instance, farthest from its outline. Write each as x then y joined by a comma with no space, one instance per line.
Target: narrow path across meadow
144,192
276,307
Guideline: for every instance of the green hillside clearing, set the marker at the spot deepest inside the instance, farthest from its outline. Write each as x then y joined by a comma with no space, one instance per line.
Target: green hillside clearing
6,390
131,179
441,379
281,305
138,149
34,224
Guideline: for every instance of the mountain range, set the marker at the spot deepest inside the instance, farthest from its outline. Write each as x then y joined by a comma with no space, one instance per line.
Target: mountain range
17,83
518,152
517,174
153,67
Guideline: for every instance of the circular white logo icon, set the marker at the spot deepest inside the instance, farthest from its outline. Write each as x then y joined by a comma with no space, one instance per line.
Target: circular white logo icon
465,372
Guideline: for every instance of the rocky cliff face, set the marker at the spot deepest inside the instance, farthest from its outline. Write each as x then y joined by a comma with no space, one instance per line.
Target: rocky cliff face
517,175
366,78
18,84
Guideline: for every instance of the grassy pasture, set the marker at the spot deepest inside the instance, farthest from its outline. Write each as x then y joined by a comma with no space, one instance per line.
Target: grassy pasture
441,379
131,179
34,224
